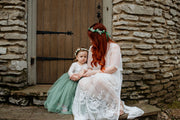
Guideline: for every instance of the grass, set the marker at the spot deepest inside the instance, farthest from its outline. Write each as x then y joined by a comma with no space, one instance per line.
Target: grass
174,105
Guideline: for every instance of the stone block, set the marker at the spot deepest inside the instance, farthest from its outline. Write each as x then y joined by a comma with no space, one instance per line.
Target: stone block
149,77
142,34
156,25
13,28
153,58
159,20
133,77
151,65
153,82
156,88
127,28
126,59
126,46
16,14
134,39
120,23
158,35
128,84
160,52
15,7
3,61
14,85
147,52
39,100
139,83
165,80
117,1
140,24
166,85
172,52
161,30
3,99
116,9
127,72
133,65
15,79
10,56
3,68
15,2
15,36
151,41
143,87
1,35
144,47
19,100
18,65
129,17
3,50
3,22
140,58
158,12
17,49
173,12
158,46
3,15
16,22
135,95
161,93
129,52
145,19
116,33
167,15
136,9
141,71
170,22
4,91
20,43
176,72
153,70
163,41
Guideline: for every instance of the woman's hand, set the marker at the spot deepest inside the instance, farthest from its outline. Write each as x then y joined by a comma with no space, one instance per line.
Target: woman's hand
90,72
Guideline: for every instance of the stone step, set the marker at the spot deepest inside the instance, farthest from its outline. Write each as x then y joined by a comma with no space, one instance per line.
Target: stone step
36,95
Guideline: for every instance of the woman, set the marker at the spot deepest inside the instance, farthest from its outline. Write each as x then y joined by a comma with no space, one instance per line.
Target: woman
98,93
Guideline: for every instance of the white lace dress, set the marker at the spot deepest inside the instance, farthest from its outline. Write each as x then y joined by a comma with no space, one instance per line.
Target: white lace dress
98,96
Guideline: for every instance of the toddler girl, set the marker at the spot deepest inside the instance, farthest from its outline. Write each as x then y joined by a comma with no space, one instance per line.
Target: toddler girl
61,94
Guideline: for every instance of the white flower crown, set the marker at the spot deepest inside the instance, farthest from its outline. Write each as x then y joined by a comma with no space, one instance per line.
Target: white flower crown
80,49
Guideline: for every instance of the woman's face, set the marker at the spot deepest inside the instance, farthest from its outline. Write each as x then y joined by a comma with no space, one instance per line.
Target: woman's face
82,57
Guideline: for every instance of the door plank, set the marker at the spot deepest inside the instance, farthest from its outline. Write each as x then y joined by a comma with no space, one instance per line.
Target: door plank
69,38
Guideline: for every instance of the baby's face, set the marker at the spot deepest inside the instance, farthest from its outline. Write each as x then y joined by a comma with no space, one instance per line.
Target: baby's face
82,57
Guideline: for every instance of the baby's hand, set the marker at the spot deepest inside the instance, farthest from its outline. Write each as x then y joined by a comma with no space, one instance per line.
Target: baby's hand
75,77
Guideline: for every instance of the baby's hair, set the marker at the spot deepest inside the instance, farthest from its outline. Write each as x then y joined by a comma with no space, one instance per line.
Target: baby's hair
79,50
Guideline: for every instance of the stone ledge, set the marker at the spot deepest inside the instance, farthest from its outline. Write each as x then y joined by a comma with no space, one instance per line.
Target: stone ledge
37,94
149,110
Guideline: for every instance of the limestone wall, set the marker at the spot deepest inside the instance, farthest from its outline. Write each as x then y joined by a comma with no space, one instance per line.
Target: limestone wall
148,32
13,44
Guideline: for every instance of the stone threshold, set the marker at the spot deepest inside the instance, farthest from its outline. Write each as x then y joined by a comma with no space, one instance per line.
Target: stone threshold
36,95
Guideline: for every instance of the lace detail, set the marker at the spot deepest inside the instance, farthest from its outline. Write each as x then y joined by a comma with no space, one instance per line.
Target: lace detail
97,105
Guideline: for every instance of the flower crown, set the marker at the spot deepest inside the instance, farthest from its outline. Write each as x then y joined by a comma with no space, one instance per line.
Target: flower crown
80,49
99,31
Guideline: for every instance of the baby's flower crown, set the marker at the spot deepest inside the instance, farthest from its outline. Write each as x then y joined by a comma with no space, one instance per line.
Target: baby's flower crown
80,49
99,31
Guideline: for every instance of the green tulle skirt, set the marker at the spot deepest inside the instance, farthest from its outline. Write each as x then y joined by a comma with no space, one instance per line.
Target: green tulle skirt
61,95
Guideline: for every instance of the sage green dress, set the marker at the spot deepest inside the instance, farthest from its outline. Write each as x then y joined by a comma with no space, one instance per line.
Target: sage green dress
61,94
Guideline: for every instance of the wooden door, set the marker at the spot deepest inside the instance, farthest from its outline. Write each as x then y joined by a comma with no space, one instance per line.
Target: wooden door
62,28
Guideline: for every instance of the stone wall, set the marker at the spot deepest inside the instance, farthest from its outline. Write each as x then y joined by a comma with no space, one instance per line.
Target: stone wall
13,45
148,32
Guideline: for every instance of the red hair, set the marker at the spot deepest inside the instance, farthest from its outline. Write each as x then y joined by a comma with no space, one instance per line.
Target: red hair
99,45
